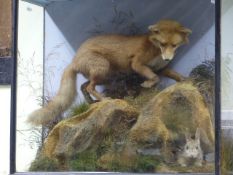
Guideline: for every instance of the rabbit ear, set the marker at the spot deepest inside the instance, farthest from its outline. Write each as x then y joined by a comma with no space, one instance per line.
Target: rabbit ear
187,137
197,135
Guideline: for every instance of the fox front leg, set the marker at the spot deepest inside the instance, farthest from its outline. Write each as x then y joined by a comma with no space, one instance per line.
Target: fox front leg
146,72
172,74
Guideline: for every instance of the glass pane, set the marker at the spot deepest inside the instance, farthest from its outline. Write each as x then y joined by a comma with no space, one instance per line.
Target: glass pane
29,80
226,89
124,89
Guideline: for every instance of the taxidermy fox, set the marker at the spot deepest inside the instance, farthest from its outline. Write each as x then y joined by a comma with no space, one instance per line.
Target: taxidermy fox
100,57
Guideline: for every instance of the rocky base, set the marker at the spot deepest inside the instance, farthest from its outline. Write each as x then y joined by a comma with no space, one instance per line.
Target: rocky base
142,134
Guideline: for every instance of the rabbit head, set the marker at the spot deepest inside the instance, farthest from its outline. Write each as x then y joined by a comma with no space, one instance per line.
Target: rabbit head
192,148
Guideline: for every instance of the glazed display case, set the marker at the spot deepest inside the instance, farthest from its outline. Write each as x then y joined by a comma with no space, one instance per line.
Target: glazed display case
123,86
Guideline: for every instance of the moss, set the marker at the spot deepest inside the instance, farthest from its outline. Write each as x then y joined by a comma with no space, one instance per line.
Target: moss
145,96
177,115
147,164
139,164
105,145
123,85
107,152
226,154
85,161
42,163
78,109
113,163
209,168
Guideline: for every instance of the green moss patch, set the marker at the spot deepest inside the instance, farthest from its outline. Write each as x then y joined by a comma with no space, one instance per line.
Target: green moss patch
145,96
78,109
226,154
42,163
177,115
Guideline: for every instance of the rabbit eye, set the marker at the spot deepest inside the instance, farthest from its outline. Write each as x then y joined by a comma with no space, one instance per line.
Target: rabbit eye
196,147
187,147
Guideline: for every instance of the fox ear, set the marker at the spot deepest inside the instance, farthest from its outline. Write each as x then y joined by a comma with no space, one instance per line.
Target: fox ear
186,33
154,28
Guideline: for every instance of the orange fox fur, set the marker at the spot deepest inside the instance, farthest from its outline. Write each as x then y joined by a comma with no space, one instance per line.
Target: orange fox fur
101,56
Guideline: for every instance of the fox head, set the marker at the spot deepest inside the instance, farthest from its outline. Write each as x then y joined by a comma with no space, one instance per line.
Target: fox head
168,35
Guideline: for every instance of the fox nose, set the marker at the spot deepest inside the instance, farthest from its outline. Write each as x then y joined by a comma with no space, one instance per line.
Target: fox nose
167,57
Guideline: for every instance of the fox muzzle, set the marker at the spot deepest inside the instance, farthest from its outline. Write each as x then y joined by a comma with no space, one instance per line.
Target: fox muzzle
167,53
167,57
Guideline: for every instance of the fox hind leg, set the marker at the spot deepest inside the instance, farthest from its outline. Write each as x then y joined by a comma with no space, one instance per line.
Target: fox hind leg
91,90
86,94
97,74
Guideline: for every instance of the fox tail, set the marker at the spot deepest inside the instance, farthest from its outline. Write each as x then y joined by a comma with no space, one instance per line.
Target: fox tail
64,98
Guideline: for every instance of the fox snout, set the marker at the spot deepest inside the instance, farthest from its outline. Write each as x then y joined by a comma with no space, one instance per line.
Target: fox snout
167,54
167,57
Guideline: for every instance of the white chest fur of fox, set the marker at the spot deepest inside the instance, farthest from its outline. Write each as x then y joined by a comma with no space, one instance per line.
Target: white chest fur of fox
99,56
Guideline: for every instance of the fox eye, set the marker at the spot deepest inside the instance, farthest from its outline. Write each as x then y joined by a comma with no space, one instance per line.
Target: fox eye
163,44
196,148
156,32
187,147
174,45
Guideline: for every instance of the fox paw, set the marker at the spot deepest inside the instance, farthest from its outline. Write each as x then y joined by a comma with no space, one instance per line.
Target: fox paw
182,78
149,83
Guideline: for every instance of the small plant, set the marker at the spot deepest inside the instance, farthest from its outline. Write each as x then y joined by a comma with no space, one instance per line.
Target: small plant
203,77
204,71
140,100
226,153
146,164
42,163
78,109
85,161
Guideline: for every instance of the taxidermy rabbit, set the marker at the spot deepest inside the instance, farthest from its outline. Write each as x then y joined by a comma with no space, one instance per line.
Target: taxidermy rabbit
192,153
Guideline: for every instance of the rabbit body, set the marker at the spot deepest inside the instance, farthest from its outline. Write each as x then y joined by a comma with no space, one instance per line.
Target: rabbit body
192,153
